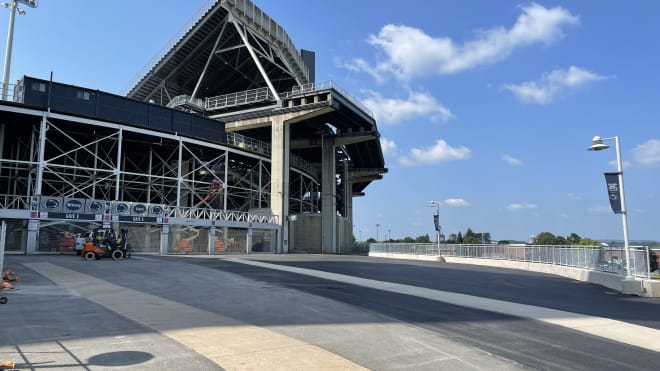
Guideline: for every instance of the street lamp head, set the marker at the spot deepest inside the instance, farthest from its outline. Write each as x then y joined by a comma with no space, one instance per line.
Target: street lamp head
20,11
597,144
5,5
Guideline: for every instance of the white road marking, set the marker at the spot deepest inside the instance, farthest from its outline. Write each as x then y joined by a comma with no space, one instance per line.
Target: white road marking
628,333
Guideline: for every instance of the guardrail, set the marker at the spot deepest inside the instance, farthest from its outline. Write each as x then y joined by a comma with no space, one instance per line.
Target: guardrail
8,95
186,100
239,98
247,143
15,202
603,259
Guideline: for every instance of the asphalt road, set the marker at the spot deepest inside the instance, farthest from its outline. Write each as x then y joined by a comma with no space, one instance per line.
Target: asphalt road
372,328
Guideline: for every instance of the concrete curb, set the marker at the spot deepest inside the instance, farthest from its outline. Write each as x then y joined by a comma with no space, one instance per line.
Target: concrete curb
646,288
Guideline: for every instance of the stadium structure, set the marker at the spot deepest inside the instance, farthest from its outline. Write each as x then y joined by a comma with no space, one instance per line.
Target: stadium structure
224,143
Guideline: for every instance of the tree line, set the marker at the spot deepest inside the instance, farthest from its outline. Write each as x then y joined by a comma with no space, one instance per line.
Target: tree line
472,238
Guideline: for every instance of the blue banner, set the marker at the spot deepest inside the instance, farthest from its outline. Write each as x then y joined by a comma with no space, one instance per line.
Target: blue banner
614,191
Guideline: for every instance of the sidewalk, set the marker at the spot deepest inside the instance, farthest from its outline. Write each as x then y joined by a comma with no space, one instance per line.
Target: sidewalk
48,326
64,319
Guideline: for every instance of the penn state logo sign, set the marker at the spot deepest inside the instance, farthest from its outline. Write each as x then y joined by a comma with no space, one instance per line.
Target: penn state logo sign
51,204
156,210
121,208
95,206
139,209
73,205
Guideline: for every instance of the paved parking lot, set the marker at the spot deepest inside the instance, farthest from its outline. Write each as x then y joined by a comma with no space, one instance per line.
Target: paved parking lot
211,313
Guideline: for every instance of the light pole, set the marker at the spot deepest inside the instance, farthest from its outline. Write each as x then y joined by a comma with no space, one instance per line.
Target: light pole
436,204
377,226
10,38
597,145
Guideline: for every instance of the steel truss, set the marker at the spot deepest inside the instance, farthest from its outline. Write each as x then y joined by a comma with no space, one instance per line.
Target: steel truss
235,46
90,159
304,194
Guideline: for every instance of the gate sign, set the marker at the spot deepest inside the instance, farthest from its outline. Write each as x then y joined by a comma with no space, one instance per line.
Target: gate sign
614,191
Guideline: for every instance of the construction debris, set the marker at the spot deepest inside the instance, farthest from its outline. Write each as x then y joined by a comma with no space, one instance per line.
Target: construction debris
10,276
7,365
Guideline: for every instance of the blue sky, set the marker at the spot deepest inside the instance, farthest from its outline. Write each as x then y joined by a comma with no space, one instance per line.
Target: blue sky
486,106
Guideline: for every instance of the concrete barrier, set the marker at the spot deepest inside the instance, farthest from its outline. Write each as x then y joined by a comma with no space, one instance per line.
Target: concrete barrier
407,256
639,287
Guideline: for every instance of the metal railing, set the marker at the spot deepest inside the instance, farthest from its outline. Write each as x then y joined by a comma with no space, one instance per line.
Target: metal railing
210,214
298,163
603,259
9,94
247,143
326,85
186,100
253,145
239,98
14,202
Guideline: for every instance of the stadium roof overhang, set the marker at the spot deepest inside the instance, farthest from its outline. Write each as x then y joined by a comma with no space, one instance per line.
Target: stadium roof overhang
230,46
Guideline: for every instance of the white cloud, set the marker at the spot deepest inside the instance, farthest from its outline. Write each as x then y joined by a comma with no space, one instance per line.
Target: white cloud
552,84
573,196
647,154
360,65
456,202
511,160
440,152
520,207
409,52
388,147
417,104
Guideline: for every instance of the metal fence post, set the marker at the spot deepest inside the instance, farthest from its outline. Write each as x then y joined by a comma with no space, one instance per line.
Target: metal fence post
3,234
648,263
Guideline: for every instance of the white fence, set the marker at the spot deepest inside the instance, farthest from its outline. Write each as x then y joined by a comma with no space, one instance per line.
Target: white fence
604,259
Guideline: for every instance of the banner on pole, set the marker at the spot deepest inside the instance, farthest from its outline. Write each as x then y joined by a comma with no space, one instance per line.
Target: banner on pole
436,222
614,191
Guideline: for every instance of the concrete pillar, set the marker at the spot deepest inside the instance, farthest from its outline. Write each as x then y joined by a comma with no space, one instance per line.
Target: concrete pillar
32,234
248,240
164,239
147,235
279,186
348,209
212,241
328,196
